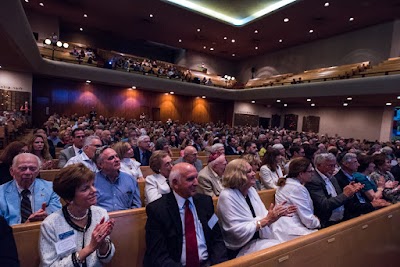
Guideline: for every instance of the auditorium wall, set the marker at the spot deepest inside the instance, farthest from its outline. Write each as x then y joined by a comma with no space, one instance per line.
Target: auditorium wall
369,44
54,95
371,123
44,25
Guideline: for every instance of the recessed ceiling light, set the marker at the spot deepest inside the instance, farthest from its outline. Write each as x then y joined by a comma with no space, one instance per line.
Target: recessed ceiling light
280,40
312,104
225,38
172,93
180,40
166,94
212,48
27,1
349,98
278,101
204,47
133,87
256,47
311,31
41,4
0,67
85,15
351,19
203,96
345,104
81,29
253,101
88,81
308,99
198,30
255,31
151,15
285,20
233,40
388,104
398,97
326,4
233,55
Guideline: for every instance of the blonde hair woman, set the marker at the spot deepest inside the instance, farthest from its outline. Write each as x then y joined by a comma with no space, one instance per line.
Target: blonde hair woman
128,163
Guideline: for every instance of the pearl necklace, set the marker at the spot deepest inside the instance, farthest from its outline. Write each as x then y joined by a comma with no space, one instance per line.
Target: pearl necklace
78,218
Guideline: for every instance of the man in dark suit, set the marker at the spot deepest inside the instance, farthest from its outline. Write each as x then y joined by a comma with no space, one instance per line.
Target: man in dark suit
327,196
142,152
356,205
169,231
232,147
8,250
69,152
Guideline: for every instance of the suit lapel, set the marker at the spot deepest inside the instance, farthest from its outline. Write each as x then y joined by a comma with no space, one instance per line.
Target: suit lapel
173,210
39,195
323,184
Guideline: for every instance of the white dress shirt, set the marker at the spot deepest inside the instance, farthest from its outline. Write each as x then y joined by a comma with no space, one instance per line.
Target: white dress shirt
82,158
201,240
337,214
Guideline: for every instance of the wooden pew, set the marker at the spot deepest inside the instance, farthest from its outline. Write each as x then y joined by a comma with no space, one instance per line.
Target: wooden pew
49,175
372,240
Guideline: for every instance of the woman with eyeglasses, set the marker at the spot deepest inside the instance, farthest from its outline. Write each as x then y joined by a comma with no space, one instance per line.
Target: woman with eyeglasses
39,146
291,191
6,158
79,233
157,183
128,163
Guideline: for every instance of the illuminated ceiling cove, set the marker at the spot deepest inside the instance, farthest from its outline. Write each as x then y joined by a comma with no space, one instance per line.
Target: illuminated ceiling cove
225,11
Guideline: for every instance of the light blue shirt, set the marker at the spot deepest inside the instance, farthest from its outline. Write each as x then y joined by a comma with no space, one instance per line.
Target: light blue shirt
121,194
201,240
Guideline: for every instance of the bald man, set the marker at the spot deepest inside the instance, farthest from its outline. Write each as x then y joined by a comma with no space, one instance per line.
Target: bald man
190,156
167,244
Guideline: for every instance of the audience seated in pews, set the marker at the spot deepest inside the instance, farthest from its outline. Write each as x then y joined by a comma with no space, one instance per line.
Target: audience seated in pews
90,144
78,136
27,198
128,163
116,190
210,177
271,171
6,158
328,197
181,228
79,233
39,146
190,156
142,152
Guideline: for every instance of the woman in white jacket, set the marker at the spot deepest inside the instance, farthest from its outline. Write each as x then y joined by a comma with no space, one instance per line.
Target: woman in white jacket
270,171
244,220
291,191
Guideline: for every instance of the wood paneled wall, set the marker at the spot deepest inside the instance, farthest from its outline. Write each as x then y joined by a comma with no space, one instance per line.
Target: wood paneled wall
54,95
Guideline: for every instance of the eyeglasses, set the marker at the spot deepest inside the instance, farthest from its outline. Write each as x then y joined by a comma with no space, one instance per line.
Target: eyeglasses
25,168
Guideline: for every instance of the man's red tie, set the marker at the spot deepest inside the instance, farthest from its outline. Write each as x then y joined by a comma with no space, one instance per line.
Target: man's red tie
192,253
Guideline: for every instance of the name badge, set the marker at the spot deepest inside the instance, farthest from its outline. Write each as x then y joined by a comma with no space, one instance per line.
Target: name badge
213,220
66,244
65,235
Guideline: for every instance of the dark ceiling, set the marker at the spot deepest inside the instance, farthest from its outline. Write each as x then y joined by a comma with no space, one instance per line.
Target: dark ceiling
131,20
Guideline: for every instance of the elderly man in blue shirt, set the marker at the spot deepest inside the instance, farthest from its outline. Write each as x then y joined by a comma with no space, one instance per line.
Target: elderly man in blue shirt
115,190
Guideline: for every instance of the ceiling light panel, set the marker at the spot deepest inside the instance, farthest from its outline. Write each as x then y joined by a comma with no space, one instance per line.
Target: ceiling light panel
236,19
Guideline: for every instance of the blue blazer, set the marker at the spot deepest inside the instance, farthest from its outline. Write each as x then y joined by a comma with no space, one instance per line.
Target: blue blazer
10,200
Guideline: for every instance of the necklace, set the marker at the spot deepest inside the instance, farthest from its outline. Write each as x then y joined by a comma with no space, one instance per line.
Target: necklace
77,218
